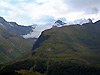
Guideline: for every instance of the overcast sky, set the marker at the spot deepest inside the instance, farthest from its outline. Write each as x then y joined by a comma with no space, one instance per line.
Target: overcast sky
28,12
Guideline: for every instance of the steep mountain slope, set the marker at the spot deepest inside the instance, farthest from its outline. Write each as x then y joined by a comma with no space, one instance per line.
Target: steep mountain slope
14,27
12,46
68,50
79,40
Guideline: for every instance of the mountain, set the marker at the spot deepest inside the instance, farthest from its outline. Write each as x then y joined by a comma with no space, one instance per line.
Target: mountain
30,33
12,46
38,29
17,29
67,50
86,21
97,23
14,27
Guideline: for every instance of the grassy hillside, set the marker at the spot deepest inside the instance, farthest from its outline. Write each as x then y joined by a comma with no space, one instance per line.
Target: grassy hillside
12,46
78,41
69,50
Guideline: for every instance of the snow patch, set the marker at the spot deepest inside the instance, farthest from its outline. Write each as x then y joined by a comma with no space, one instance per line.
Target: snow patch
11,24
39,28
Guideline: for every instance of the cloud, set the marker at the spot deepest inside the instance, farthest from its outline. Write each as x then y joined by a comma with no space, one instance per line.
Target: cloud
42,1
80,5
62,18
93,10
44,20
43,11
34,10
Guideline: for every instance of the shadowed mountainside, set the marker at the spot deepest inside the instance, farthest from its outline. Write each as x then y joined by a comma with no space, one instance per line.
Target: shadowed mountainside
12,46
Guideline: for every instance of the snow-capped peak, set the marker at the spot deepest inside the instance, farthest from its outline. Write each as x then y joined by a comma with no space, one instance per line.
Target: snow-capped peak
58,23
86,21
